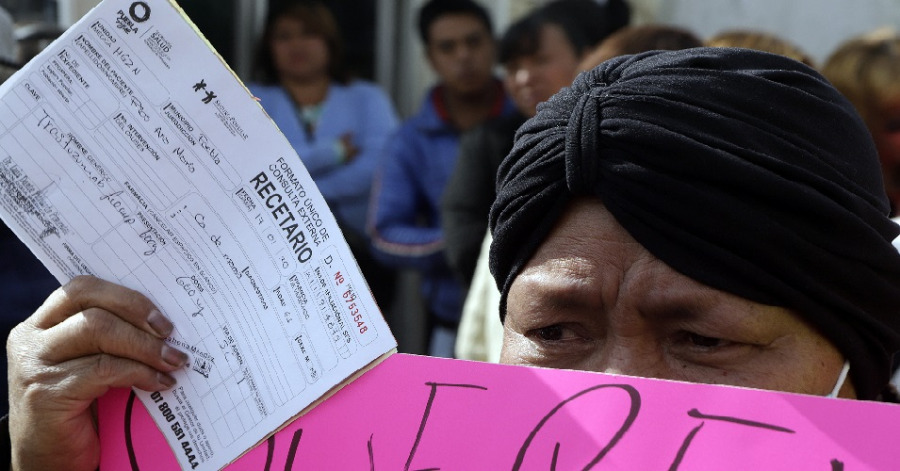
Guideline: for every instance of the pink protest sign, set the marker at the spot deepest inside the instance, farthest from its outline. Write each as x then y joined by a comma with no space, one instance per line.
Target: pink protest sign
419,413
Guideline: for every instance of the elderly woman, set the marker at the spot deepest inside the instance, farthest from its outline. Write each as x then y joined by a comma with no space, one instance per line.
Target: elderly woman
709,215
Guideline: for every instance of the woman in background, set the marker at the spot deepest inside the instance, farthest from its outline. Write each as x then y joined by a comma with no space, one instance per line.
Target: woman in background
337,126
640,38
866,69
761,41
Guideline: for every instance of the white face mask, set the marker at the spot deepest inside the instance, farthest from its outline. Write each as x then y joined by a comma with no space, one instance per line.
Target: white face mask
841,379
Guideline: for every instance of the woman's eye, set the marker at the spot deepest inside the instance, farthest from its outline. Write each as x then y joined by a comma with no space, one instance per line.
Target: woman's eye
550,333
704,341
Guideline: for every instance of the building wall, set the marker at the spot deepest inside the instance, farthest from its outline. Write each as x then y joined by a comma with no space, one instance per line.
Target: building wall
7,41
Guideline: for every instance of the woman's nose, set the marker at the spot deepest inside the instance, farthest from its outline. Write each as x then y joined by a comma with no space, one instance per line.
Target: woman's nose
632,357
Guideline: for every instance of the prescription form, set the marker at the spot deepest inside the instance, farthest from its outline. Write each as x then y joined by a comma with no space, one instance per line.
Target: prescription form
130,152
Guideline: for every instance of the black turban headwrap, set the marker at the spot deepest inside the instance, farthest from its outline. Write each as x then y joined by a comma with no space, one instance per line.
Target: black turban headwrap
743,170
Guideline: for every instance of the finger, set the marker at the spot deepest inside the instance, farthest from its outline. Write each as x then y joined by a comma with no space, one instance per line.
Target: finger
85,292
84,379
99,331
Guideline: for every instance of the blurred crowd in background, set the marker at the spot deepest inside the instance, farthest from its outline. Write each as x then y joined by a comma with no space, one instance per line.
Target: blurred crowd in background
411,185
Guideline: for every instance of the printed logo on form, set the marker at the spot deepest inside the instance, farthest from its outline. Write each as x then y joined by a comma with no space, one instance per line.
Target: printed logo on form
139,12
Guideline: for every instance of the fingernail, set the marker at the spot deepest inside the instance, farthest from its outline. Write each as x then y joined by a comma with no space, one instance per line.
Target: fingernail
160,324
165,380
174,357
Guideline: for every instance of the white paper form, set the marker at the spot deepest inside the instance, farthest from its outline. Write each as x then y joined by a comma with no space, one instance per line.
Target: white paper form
130,152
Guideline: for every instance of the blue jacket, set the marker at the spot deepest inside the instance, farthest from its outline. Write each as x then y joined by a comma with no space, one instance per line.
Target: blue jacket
359,108
404,220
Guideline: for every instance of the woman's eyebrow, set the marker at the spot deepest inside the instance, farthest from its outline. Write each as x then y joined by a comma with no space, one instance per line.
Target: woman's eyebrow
682,305
562,286
674,312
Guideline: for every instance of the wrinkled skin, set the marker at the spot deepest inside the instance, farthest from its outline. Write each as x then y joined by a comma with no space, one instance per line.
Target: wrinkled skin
89,336
592,298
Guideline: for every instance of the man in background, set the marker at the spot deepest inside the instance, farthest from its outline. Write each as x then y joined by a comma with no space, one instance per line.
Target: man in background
404,220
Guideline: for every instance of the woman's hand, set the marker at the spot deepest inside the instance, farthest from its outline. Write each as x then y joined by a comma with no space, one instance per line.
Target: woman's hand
90,335
350,149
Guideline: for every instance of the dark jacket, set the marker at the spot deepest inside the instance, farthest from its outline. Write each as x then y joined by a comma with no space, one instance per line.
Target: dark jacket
471,191
404,220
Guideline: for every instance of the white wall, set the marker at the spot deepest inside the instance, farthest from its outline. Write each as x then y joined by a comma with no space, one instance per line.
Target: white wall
7,40
816,26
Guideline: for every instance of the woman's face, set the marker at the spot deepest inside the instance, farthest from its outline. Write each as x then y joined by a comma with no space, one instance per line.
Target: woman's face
592,298
532,79
297,53
887,140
